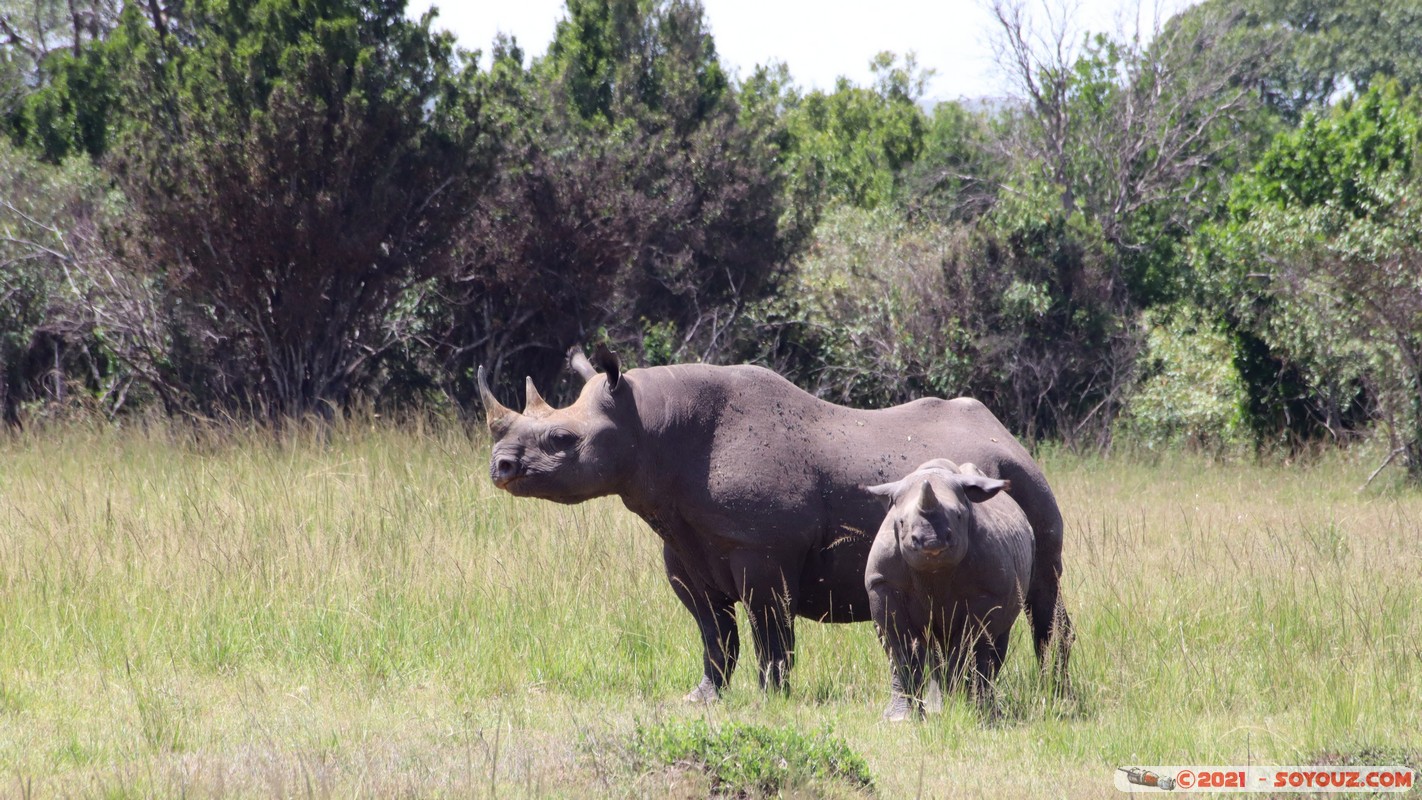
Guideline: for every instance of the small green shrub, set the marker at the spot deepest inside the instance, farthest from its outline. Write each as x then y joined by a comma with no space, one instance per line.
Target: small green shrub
1190,392
743,758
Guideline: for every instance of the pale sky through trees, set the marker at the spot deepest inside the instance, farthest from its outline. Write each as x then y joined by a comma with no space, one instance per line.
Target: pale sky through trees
821,41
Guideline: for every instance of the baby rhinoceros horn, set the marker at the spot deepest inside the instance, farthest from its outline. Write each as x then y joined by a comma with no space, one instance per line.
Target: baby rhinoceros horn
928,501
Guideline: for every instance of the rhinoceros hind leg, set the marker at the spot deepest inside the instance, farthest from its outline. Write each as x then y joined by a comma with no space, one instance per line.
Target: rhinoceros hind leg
933,696
1052,632
770,605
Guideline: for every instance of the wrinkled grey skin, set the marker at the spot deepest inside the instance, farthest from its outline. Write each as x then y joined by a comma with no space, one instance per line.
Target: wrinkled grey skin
947,577
754,487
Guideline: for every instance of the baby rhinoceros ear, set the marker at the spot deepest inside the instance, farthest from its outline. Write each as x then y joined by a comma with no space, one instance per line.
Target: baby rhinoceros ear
980,488
885,492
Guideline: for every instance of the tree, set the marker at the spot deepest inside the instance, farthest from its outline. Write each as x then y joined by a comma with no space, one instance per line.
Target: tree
1136,135
56,88
294,168
1319,50
957,174
634,200
1324,246
850,145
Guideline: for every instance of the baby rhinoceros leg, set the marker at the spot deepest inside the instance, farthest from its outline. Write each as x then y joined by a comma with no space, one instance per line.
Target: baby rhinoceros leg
908,653
907,685
988,653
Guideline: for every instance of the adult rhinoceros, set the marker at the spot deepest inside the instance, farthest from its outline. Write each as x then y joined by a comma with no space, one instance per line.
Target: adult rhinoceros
755,488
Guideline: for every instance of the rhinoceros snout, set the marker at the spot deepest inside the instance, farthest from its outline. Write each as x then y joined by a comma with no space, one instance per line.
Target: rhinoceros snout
504,469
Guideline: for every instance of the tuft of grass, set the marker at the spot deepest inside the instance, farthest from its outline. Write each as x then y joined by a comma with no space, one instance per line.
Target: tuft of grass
163,717
1366,756
748,759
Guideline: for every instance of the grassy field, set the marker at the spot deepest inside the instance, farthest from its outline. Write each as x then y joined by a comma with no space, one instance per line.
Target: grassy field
359,613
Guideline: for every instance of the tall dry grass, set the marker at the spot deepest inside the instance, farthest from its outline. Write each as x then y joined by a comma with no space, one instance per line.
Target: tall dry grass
354,611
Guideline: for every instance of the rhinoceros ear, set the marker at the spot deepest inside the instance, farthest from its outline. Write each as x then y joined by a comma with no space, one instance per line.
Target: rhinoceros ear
979,488
885,492
497,416
606,360
578,362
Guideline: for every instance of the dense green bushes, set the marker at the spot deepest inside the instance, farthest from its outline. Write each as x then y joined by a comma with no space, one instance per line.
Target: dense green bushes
276,207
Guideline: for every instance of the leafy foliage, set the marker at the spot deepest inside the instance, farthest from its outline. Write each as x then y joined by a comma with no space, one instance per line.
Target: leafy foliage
1318,50
1016,313
56,82
324,200
850,145
880,311
1138,138
1323,246
744,758
1190,392
956,175
50,217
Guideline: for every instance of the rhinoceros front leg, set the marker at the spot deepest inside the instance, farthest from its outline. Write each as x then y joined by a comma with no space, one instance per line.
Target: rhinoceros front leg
715,616
768,595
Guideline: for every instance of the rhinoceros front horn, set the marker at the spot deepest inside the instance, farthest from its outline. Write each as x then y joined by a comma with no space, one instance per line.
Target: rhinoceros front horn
496,414
928,501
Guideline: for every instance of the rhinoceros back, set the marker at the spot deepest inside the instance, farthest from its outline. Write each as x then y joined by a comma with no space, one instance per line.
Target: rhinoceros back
739,457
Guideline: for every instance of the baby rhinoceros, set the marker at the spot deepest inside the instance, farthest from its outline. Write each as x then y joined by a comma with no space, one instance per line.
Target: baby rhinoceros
946,579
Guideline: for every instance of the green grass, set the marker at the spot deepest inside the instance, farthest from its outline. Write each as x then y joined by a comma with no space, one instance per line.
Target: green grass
359,613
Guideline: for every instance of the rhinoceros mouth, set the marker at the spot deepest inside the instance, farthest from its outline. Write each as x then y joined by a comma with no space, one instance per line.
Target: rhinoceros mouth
520,486
924,559
506,483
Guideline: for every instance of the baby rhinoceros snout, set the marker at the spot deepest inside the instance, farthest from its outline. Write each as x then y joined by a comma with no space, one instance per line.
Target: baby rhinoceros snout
930,544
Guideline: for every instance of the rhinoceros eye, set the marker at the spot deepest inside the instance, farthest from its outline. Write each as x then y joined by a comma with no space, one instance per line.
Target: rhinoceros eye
562,439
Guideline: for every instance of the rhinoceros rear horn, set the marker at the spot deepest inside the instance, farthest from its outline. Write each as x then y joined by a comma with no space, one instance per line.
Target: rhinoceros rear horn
497,416
534,405
578,362
607,361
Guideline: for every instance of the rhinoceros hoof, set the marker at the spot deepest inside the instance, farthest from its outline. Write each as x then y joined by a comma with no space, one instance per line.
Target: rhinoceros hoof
933,698
902,709
705,694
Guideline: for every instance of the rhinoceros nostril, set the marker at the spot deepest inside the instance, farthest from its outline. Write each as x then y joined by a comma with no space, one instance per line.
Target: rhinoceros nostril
930,545
505,468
